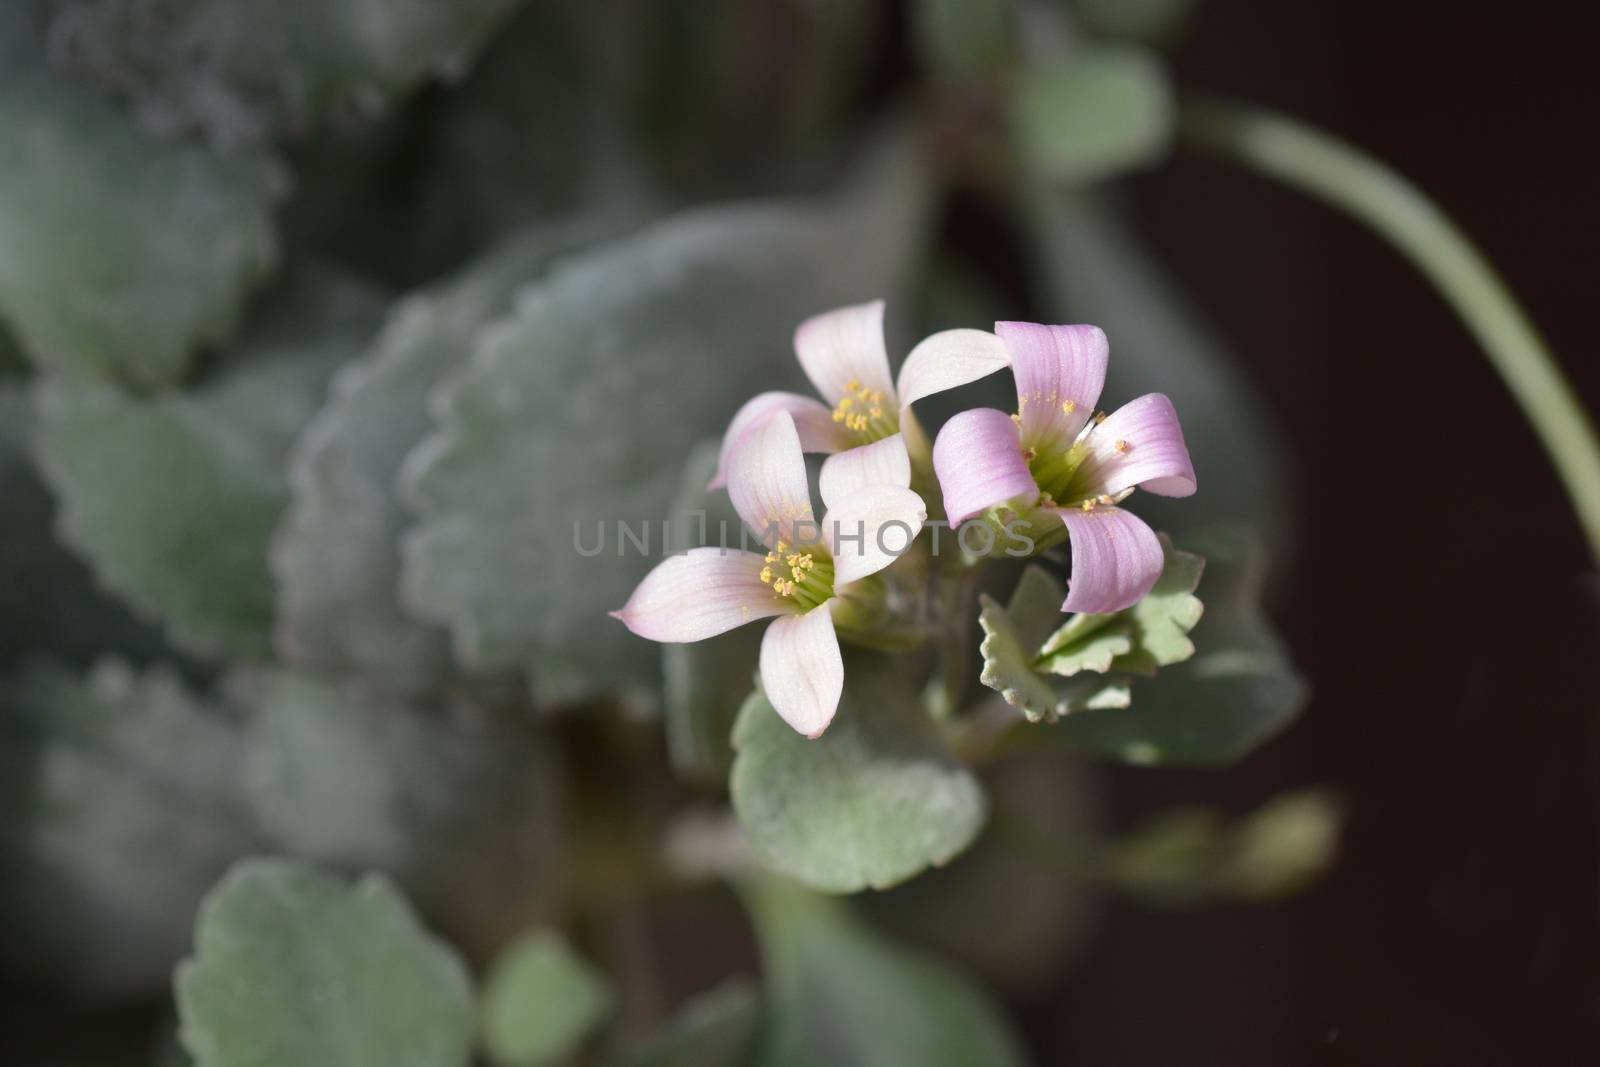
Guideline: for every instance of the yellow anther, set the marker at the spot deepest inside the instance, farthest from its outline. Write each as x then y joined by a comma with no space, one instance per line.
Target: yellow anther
846,403
766,575
1087,506
1068,407
852,385
875,412
1121,446
1028,454
876,396
1099,417
781,546
1107,499
1017,418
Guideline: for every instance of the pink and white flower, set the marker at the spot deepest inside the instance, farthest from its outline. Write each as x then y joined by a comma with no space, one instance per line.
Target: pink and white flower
843,353
1060,456
812,575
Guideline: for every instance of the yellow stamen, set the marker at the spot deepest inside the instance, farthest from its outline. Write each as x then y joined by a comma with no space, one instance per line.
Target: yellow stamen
1121,446
1099,417
852,385
766,575
1068,407
1088,506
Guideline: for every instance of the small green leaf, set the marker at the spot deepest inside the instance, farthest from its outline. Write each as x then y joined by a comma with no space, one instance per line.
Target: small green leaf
292,966
540,1001
1102,110
714,1029
576,412
876,799
1012,638
173,497
119,256
1238,690
1151,634
1192,855
241,71
839,993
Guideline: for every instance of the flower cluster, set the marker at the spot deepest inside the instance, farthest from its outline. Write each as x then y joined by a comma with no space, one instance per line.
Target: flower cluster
1057,463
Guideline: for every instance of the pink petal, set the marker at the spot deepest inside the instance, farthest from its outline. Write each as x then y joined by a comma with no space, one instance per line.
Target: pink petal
980,464
802,670
884,462
870,529
1056,367
950,359
705,592
812,419
767,481
1116,558
844,346
1140,444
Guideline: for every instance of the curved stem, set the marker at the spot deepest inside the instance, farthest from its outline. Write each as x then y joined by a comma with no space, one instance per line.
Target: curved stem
1341,175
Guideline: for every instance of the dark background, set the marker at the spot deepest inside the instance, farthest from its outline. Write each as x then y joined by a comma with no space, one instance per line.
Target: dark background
1442,601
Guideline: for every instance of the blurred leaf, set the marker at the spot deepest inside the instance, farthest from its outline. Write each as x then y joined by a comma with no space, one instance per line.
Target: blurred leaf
49,604
966,38
173,497
240,71
1012,637
841,994
1237,691
1148,21
706,682
1190,856
1101,274
1022,903
294,967
336,555
714,1029
540,1001
458,803
118,257
875,800
1098,112
575,413
1151,634
123,803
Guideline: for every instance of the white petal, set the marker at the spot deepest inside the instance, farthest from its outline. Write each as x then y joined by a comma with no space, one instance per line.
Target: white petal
884,462
812,420
843,346
802,670
767,482
950,359
871,529
705,592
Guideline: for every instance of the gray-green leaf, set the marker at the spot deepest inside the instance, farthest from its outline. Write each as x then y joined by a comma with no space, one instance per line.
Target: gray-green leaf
841,994
575,413
336,555
1151,634
292,966
876,799
119,257
173,497
540,1001
1101,110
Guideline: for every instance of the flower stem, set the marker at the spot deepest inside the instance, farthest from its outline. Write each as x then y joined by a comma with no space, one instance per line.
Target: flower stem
1341,175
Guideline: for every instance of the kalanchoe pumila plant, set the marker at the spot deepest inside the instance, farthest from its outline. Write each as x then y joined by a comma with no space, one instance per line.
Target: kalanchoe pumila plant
818,580
1062,461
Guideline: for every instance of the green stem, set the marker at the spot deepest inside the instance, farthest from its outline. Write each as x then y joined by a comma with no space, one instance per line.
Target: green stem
1341,175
